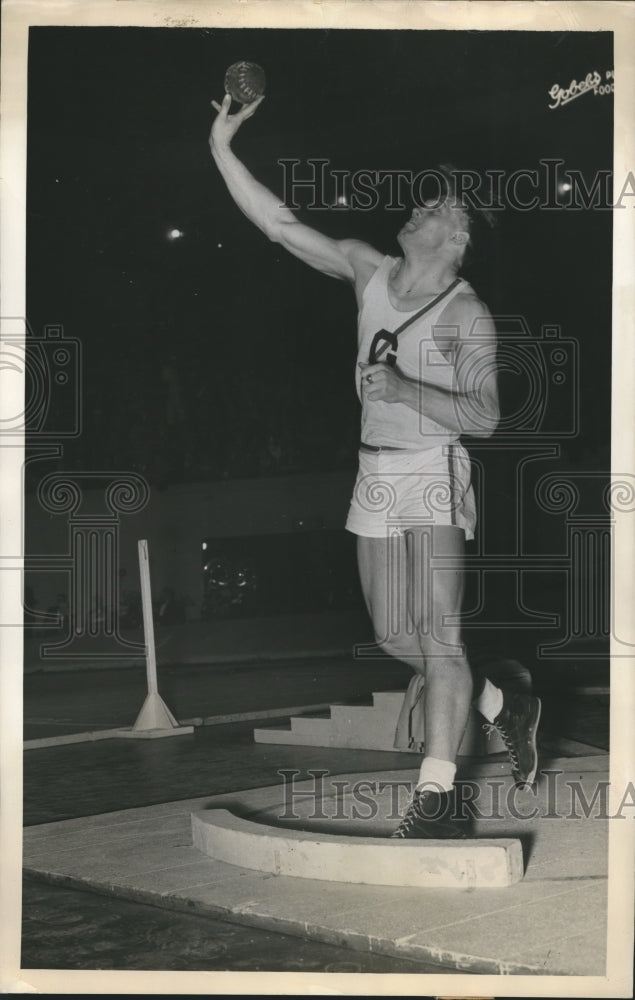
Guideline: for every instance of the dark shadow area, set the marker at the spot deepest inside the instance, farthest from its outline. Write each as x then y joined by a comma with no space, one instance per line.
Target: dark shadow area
65,928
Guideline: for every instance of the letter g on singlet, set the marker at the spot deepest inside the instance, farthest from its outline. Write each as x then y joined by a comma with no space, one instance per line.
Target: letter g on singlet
382,341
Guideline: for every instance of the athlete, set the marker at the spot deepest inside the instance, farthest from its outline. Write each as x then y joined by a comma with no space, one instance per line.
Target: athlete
426,374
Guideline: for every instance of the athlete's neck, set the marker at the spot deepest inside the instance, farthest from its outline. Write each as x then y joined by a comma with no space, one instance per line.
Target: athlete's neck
422,274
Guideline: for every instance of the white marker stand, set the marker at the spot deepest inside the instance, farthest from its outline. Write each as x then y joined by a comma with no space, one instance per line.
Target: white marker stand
155,718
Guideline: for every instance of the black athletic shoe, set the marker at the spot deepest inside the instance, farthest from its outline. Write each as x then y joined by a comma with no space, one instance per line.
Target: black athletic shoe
517,724
428,818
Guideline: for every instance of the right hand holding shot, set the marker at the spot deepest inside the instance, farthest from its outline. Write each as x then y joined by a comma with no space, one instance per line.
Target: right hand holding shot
225,125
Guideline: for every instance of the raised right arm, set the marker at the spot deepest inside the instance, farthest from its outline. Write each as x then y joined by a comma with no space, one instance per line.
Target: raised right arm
350,260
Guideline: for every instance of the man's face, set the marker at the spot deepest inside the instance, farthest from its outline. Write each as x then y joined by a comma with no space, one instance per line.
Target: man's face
433,225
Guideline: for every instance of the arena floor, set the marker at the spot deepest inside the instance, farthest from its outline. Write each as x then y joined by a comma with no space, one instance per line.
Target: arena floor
64,928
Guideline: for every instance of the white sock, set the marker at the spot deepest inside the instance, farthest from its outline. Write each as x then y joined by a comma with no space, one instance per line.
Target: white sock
490,701
439,774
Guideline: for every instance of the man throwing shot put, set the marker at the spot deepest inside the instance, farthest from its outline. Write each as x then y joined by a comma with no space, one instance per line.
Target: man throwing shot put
426,375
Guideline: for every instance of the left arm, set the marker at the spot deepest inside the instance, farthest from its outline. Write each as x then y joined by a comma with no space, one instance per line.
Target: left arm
471,405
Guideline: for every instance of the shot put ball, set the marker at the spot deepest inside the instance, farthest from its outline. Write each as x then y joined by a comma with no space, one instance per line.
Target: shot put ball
245,81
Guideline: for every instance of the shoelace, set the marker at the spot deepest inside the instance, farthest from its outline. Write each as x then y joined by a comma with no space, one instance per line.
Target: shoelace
409,819
490,728
406,824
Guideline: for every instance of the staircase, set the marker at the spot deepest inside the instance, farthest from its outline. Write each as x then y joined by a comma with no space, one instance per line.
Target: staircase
370,727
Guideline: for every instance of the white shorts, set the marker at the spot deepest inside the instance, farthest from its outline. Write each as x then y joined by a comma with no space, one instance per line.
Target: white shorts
402,490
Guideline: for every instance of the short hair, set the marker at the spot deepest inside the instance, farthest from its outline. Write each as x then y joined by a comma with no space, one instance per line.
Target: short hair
482,222
449,173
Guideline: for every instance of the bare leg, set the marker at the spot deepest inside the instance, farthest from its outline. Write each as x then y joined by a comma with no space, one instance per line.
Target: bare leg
414,606
383,572
435,595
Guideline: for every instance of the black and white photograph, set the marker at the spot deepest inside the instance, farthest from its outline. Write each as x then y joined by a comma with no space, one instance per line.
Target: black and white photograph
316,444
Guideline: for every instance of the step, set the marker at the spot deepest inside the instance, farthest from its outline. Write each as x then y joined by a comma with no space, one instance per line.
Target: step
351,741
388,700
371,727
360,717
303,725
434,864
362,725
288,737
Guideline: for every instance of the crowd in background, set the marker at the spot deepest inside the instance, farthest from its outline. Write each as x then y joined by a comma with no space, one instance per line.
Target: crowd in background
174,423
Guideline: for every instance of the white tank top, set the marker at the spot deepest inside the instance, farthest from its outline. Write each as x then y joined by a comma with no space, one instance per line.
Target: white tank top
418,357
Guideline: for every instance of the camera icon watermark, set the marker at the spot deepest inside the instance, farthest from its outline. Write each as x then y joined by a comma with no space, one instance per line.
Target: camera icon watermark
42,395
538,379
545,372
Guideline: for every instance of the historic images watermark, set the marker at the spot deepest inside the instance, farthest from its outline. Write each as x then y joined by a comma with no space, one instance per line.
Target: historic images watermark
577,508
50,408
545,366
549,186
45,409
559,796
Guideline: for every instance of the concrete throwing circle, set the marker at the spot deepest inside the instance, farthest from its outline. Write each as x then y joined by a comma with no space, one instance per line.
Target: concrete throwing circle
337,828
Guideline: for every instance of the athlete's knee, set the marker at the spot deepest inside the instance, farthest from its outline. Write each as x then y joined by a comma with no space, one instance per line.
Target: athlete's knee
441,644
447,666
402,646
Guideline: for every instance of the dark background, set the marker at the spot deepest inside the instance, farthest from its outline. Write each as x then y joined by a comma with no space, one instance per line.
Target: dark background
263,350
118,121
